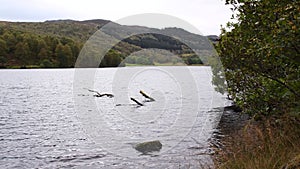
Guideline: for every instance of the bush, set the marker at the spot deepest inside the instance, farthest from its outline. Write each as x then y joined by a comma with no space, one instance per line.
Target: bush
260,55
46,64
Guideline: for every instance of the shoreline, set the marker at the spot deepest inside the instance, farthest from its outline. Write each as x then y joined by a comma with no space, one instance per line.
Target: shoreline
230,122
245,143
135,65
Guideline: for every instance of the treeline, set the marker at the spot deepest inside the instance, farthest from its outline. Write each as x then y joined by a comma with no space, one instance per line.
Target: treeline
155,41
159,41
24,48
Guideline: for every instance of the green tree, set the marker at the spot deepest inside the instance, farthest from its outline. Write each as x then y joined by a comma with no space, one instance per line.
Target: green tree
3,48
22,52
32,44
43,53
260,54
51,43
75,48
11,41
111,59
69,54
194,60
131,59
1,30
143,60
64,55
3,52
43,50
46,63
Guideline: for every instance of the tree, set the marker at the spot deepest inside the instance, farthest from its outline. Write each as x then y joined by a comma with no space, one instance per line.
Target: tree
32,44
75,48
131,59
11,41
143,60
46,63
69,54
260,54
64,55
43,53
3,52
3,48
41,45
111,59
194,60
22,52
51,43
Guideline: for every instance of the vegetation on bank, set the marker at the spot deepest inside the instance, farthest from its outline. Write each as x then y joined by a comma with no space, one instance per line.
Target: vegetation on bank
267,144
260,55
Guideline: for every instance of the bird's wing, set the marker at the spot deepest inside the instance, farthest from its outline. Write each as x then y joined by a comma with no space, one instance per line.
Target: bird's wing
90,90
137,102
146,96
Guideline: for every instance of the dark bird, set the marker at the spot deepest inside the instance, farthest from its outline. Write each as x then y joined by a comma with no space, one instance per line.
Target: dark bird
137,102
146,96
101,95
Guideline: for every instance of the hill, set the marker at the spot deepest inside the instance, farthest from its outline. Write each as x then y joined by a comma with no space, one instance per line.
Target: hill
57,43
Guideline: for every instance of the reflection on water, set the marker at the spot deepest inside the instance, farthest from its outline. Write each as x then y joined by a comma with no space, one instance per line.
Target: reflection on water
41,119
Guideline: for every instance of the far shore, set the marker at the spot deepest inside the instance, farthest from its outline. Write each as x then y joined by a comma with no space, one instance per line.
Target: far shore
127,65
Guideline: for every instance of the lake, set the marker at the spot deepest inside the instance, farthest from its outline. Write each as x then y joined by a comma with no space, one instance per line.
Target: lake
49,119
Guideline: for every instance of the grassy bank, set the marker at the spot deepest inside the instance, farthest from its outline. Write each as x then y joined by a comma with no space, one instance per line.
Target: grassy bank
265,144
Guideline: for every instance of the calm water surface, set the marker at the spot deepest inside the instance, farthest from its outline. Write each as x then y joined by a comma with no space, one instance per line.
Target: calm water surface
44,118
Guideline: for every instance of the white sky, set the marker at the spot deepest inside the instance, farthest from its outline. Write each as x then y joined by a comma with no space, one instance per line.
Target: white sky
205,15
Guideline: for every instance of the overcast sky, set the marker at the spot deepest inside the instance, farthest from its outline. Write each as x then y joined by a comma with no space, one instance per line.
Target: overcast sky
205,15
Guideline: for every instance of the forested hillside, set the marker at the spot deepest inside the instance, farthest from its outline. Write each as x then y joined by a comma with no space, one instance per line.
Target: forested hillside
58,43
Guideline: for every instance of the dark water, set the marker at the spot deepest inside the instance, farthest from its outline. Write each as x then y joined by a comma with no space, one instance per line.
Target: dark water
48,119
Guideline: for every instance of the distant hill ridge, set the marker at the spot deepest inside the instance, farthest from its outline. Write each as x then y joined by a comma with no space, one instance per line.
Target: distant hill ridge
57,43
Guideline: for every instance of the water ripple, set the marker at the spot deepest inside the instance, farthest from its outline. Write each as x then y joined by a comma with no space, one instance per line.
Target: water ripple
39,127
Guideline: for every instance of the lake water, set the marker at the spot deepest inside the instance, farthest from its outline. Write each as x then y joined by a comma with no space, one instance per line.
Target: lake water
48,118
